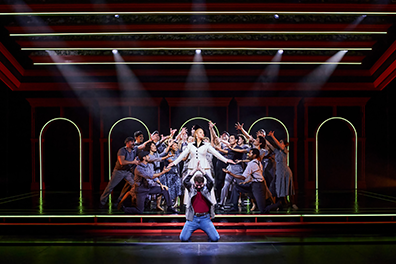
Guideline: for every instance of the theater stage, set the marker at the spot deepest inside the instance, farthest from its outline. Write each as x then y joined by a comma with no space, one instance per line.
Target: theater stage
344,212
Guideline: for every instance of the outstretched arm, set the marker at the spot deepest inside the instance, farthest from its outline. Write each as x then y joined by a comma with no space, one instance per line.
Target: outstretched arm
213,137
219,156
239,126
277,143
234,175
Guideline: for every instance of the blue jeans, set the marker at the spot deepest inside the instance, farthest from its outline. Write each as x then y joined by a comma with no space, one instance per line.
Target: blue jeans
199,222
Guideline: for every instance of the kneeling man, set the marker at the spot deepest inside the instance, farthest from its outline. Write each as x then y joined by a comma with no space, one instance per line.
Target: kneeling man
199,208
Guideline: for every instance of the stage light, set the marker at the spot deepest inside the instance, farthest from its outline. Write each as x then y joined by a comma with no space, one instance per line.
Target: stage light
364,16
345,51
195,63
278,32
198,51
116,16
276,16
373,13
114,51
280,51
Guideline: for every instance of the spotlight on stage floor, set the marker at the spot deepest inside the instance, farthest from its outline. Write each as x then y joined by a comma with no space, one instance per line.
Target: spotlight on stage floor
317,78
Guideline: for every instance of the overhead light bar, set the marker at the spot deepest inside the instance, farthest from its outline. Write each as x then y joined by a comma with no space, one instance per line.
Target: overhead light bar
198,33
197,62
367,13
199,48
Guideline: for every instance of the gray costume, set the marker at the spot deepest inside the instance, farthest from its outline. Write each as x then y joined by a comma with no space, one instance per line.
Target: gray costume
283,175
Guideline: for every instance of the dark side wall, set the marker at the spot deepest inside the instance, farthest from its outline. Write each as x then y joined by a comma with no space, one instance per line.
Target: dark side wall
15,161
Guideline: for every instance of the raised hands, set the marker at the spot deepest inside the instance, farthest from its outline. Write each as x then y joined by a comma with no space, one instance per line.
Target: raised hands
239,126
271,134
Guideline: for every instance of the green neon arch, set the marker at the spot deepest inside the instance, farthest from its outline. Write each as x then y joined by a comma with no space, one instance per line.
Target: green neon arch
316,150
111,129
277,120
40,149
199,117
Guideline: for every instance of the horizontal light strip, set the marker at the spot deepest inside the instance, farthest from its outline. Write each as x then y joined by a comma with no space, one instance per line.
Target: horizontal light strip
373,13
198,48
183,216
198,33
197,63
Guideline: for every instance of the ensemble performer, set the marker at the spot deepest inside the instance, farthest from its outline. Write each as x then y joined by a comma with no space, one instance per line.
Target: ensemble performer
197,152
172,177
144,178
234,168
155,162
283,181
200,207
253,174
220,142
126,158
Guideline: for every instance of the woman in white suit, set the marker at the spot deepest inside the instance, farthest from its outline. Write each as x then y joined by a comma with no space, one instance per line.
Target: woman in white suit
197,151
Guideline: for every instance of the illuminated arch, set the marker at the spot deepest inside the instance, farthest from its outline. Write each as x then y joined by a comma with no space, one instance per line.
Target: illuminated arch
198,117
277,120
111,129
40,149
316,150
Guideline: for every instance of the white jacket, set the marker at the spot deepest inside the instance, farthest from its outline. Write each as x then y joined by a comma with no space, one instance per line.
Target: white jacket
199,154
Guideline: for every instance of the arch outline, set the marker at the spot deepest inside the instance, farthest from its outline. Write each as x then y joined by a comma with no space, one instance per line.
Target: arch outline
40,148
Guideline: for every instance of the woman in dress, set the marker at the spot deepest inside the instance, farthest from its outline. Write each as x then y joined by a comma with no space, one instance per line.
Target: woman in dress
172,178
283,175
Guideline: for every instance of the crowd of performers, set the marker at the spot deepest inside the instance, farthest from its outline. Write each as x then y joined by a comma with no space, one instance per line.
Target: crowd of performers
230,168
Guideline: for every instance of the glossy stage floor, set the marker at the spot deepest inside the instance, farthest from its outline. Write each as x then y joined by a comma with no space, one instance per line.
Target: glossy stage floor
328,227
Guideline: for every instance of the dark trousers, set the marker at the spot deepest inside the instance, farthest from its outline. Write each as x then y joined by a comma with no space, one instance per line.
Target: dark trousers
219,177
142,192
257,189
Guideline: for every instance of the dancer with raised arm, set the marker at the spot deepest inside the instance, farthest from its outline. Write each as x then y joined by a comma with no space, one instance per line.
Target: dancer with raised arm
283,175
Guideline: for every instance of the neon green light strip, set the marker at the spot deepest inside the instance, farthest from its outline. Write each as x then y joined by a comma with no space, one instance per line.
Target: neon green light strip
317,156
40,149
199,33
109,137
197,63
198,117
183,216
277,120
202,48
368,13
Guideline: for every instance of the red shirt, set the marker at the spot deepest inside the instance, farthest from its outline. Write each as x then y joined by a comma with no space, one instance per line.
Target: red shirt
200,203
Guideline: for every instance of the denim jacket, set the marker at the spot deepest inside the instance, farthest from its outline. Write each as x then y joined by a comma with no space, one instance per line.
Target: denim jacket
193,191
